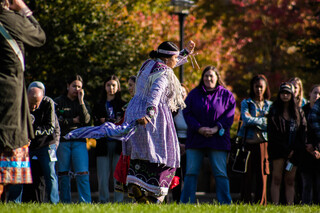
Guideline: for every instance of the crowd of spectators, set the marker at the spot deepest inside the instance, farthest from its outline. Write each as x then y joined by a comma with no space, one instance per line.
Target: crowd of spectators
175,130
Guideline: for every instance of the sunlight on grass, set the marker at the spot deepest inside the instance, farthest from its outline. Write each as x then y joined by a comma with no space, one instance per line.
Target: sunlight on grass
173,208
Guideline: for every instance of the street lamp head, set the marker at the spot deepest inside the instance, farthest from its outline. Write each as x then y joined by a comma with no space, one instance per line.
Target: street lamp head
182,6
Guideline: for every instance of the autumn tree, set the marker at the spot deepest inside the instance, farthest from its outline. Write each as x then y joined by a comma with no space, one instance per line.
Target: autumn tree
94,38
274,29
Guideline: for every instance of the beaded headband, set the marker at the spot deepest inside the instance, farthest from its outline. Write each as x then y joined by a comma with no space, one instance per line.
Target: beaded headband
168,52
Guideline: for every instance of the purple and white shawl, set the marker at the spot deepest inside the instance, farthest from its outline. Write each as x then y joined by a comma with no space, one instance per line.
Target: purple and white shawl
106,130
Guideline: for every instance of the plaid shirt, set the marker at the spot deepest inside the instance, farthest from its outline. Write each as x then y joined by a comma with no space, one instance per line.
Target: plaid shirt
314,119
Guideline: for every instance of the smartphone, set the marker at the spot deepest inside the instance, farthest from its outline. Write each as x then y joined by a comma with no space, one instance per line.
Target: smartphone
289,166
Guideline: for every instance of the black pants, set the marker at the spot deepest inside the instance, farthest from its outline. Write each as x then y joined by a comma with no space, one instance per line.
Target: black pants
35,192
252,179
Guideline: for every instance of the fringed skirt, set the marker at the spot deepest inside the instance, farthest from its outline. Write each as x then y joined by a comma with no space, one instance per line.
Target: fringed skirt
15,166
154,178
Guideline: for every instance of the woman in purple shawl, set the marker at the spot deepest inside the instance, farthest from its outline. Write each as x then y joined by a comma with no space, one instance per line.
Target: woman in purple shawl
154,148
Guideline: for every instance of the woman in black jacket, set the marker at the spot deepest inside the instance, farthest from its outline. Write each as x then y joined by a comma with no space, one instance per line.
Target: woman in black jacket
73,112
287,135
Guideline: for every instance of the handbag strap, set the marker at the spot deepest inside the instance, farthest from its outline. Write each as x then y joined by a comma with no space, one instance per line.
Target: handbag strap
239,125
245,136
13,44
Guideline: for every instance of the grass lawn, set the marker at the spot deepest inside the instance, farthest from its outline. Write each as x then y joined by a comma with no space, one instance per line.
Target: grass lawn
127,208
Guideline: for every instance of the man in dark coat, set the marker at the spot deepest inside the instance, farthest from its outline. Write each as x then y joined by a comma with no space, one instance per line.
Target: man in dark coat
43,147
15,122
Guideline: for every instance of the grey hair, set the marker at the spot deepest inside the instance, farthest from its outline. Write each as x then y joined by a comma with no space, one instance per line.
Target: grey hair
37,84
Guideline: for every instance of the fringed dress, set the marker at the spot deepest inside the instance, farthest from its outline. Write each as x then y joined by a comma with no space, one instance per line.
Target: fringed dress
154,149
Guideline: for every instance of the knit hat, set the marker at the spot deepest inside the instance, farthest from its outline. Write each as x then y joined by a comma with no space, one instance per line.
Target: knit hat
288,87
37,84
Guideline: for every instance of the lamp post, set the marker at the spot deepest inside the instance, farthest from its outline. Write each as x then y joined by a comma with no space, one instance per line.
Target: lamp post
181,8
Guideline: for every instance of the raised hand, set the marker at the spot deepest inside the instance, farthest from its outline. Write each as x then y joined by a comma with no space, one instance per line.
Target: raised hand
81,96
190,46
143,121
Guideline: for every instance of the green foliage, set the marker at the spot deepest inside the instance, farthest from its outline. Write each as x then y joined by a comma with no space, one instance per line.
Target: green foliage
96,208
93,38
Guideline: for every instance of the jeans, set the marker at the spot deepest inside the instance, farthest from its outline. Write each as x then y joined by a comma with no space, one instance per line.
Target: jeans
76,153
105,165
48,168
45,166
218,160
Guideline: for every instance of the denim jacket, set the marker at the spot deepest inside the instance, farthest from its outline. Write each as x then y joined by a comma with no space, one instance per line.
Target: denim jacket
252,116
